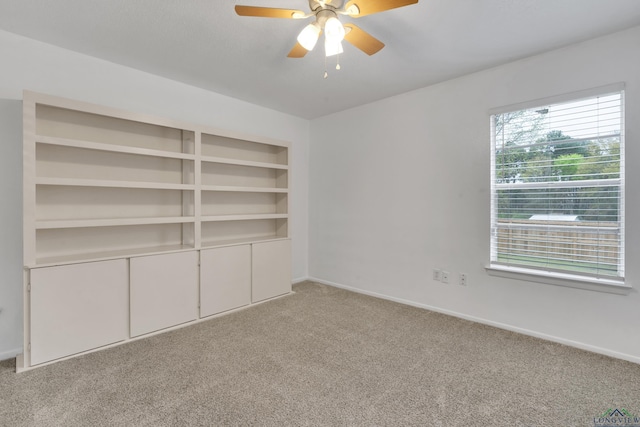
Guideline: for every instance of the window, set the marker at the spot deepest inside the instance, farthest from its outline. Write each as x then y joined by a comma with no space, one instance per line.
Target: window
557,187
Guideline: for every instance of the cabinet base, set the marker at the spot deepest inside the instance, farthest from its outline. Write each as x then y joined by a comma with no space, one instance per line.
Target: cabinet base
22,367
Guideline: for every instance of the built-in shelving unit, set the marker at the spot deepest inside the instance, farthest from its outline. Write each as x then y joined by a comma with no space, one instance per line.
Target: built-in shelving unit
244,190
102,184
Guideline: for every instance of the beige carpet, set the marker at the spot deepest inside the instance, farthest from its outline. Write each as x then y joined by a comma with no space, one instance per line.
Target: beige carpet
324,357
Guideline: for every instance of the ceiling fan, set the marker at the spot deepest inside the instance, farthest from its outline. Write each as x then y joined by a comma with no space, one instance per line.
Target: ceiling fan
326,14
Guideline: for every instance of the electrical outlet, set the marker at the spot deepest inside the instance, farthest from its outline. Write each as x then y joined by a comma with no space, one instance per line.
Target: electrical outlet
444,276
462,279
436,274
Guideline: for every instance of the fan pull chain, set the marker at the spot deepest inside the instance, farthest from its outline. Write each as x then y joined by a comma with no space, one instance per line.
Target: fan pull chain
326,74
325,68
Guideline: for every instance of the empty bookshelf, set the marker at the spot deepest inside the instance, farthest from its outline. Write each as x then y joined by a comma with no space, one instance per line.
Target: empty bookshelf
135,225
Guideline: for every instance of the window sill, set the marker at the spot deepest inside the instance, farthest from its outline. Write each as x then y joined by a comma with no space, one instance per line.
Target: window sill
560,279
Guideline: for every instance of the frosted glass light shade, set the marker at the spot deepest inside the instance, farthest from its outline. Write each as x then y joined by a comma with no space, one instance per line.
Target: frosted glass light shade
332,47
333,29
308,37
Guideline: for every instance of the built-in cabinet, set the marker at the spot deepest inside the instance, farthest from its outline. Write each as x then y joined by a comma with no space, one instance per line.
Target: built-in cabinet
225,279
270,269
77,307
135,224
163,291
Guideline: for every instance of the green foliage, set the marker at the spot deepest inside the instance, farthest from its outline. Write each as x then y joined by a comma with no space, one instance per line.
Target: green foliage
603,161
567,165
556,157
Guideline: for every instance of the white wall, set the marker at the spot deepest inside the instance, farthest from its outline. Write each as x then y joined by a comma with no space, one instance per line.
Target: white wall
401,186
10,231
27,64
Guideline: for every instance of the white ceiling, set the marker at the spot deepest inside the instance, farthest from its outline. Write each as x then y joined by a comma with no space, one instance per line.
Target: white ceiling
205,44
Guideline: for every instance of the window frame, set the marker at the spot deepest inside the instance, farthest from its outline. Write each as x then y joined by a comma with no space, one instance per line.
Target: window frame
554,277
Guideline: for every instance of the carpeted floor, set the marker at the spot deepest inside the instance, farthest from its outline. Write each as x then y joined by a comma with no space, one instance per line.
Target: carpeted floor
324,357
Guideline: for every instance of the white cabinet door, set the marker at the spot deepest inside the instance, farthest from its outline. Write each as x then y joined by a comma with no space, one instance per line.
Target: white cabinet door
164,291
271,269
225,279
77,307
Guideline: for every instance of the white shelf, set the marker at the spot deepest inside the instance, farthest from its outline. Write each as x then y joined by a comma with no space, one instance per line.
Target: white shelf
233,242
243,189
89,145
72,182
211,218
110,222
224,160
101,179
105,255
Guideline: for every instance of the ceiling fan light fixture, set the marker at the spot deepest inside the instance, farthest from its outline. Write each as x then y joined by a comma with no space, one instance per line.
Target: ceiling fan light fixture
309,35
332,47
326,13
333,29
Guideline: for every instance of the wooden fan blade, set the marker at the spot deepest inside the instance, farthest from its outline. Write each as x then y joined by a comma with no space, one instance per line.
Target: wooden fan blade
368,7
297,52
267,12
362,40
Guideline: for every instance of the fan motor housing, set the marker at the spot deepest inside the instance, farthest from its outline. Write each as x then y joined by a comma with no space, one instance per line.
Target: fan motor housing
318,6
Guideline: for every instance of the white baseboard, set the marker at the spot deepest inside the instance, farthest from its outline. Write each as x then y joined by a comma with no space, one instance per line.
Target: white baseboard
10,354
299,280
570,343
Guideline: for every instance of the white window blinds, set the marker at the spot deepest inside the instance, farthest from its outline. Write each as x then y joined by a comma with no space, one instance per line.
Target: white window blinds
558,187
